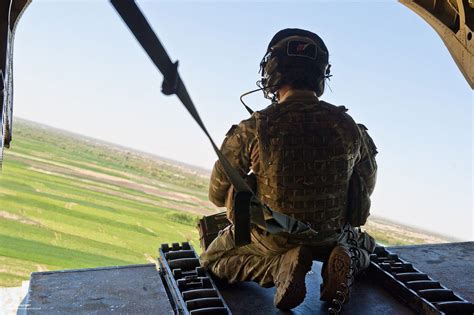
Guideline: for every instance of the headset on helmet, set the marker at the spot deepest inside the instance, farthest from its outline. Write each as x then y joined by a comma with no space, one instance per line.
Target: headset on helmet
296,57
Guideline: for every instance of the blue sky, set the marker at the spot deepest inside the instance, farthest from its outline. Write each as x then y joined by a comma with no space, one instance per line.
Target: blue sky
77,67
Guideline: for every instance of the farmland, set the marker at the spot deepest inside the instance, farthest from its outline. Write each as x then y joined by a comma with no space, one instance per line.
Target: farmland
68,201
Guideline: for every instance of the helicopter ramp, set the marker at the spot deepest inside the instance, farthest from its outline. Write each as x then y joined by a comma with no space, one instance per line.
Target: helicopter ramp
139,289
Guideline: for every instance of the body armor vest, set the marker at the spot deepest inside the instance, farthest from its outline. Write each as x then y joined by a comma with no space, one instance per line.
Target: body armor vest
307,155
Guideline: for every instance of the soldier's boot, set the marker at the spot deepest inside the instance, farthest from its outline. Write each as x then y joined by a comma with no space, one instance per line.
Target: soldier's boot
337,274
290,277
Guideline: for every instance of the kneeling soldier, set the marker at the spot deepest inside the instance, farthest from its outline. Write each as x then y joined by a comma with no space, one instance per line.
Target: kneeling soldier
309,160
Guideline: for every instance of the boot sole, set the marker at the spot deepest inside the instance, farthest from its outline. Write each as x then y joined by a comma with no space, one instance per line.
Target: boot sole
295,289
338,273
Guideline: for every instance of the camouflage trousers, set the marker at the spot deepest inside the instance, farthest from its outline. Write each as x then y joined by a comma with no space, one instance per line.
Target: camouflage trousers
259,260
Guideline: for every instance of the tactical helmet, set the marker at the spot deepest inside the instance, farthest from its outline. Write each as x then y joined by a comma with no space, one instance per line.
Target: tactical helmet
295,57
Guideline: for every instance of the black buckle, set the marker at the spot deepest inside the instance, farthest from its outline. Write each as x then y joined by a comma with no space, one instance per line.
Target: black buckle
170,80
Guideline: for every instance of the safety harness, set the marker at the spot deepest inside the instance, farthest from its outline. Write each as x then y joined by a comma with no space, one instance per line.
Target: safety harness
248,208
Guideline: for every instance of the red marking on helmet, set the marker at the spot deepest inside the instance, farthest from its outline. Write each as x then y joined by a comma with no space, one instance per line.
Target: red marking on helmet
301,47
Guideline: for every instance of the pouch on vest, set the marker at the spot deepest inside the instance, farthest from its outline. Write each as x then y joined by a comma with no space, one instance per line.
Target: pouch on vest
358,206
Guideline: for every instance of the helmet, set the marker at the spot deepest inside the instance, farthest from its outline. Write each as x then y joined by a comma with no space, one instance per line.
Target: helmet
296,57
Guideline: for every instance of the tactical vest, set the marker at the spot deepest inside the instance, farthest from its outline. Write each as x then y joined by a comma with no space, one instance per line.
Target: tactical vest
307,155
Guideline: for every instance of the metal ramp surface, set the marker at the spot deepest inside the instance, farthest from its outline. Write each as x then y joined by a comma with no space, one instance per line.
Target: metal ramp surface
138,289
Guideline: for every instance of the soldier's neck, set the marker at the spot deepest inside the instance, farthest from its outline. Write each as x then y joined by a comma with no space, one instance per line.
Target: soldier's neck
285,91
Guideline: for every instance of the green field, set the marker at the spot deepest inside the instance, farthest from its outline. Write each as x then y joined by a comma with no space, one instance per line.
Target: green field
71,202
67,201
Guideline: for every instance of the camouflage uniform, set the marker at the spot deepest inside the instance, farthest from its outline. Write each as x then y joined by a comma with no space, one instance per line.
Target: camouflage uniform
302,153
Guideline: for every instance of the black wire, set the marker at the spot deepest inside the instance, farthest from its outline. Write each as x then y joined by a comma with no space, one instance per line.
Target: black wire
328,78
245,94
260,88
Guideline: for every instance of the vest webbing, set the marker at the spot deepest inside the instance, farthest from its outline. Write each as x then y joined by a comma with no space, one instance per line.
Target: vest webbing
307,155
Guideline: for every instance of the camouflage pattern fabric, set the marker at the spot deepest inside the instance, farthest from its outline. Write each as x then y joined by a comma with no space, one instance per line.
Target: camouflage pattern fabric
260,260
302,153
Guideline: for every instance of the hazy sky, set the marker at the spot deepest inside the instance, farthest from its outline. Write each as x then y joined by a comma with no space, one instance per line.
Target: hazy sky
77,67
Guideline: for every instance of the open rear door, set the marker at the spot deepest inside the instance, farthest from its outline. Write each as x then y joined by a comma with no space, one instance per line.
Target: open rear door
453,20
10,12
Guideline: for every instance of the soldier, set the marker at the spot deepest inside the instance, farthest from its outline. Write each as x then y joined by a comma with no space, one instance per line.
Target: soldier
308,159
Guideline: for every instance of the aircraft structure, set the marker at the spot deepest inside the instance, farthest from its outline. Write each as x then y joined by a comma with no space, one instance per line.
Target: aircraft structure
182,286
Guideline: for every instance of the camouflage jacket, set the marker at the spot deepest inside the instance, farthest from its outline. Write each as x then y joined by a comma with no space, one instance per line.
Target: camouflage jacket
241,147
